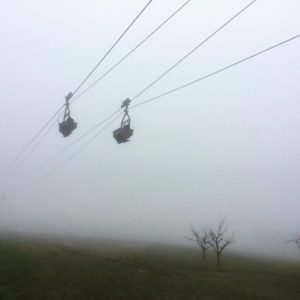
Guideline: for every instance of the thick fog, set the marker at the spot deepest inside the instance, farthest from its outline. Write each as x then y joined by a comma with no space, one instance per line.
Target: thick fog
226,146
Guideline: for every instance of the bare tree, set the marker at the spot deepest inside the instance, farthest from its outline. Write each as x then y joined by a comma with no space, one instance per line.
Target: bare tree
296,241
201,238
219,240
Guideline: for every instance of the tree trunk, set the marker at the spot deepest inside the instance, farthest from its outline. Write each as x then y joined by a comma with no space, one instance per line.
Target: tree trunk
219,259
203,254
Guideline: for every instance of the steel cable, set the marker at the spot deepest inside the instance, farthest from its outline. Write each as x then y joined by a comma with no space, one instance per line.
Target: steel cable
112,47
131,51
192,51
216,72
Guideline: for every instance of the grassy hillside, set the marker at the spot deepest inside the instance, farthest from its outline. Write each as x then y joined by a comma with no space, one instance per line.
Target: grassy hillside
32,269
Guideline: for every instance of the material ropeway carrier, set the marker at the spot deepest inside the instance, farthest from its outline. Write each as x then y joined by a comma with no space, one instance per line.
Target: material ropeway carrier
68,124
123,133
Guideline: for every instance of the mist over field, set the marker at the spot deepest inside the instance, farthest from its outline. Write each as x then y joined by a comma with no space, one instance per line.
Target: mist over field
225,147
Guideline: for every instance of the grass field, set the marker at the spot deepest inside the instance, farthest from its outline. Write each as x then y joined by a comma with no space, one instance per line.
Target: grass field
36,269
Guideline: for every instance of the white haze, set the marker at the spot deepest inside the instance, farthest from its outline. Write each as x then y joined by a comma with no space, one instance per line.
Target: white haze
228,146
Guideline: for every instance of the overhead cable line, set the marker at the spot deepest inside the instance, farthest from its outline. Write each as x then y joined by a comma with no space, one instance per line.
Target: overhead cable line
192,51
77,152
35,146
216,72
132,51
10,179
112,47
30,142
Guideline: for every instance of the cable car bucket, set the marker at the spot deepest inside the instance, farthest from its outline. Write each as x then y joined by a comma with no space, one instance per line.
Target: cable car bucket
122,134
68,124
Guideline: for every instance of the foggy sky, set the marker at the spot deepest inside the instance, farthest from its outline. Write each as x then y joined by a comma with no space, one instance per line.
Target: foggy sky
228,146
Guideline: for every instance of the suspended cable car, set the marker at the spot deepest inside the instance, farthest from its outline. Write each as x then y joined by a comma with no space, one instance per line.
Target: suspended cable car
123,133
68,124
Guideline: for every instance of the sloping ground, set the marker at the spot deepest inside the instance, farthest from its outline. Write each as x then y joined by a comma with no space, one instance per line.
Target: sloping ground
32,269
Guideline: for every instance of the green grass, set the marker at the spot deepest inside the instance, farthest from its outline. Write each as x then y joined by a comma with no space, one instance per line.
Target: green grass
32,269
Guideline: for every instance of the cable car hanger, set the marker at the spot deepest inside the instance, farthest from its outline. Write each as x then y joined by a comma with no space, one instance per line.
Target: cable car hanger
68,124
123,133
